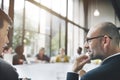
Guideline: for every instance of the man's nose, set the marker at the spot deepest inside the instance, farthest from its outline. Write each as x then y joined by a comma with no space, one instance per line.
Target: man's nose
86,45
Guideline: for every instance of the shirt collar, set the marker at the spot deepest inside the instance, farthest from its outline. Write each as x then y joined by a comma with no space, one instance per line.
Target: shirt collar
110,57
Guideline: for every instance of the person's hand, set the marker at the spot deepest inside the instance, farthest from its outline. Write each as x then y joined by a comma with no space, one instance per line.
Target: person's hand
80,62
21,61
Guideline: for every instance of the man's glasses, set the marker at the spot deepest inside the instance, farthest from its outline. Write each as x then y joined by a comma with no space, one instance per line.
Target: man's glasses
89,39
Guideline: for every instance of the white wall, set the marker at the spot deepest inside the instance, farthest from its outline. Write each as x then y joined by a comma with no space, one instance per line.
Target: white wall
106,13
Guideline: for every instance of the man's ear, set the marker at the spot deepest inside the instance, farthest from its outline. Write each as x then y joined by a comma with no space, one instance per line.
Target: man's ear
106,41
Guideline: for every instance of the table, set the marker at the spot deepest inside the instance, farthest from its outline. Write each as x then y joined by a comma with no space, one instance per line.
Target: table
44,71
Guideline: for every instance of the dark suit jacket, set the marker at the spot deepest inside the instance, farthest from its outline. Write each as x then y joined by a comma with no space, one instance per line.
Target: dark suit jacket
7,72
16,59
44,58
108,70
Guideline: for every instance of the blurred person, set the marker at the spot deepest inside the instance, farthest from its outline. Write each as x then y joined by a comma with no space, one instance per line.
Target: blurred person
19,58
61,57
41,55
7,72
102,43
79,52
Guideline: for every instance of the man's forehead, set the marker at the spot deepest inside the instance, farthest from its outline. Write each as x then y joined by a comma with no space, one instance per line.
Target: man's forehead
92,32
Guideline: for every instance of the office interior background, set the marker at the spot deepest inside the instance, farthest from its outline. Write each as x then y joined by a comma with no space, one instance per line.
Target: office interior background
56,24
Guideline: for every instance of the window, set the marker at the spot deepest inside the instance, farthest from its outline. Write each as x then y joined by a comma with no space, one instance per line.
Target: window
70,39
55,35
45,29
32,17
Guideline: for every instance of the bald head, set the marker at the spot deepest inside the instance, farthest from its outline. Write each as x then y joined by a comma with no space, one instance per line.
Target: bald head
109,29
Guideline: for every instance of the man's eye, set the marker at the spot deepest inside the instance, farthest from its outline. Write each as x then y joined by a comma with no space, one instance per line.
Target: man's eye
89,40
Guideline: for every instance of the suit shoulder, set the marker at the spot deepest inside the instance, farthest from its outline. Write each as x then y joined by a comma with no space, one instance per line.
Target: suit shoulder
7,72
106,71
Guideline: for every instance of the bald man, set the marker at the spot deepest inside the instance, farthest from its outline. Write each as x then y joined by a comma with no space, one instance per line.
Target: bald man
102,42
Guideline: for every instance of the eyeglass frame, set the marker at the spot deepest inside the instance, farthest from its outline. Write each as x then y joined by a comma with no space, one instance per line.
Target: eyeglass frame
89,39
